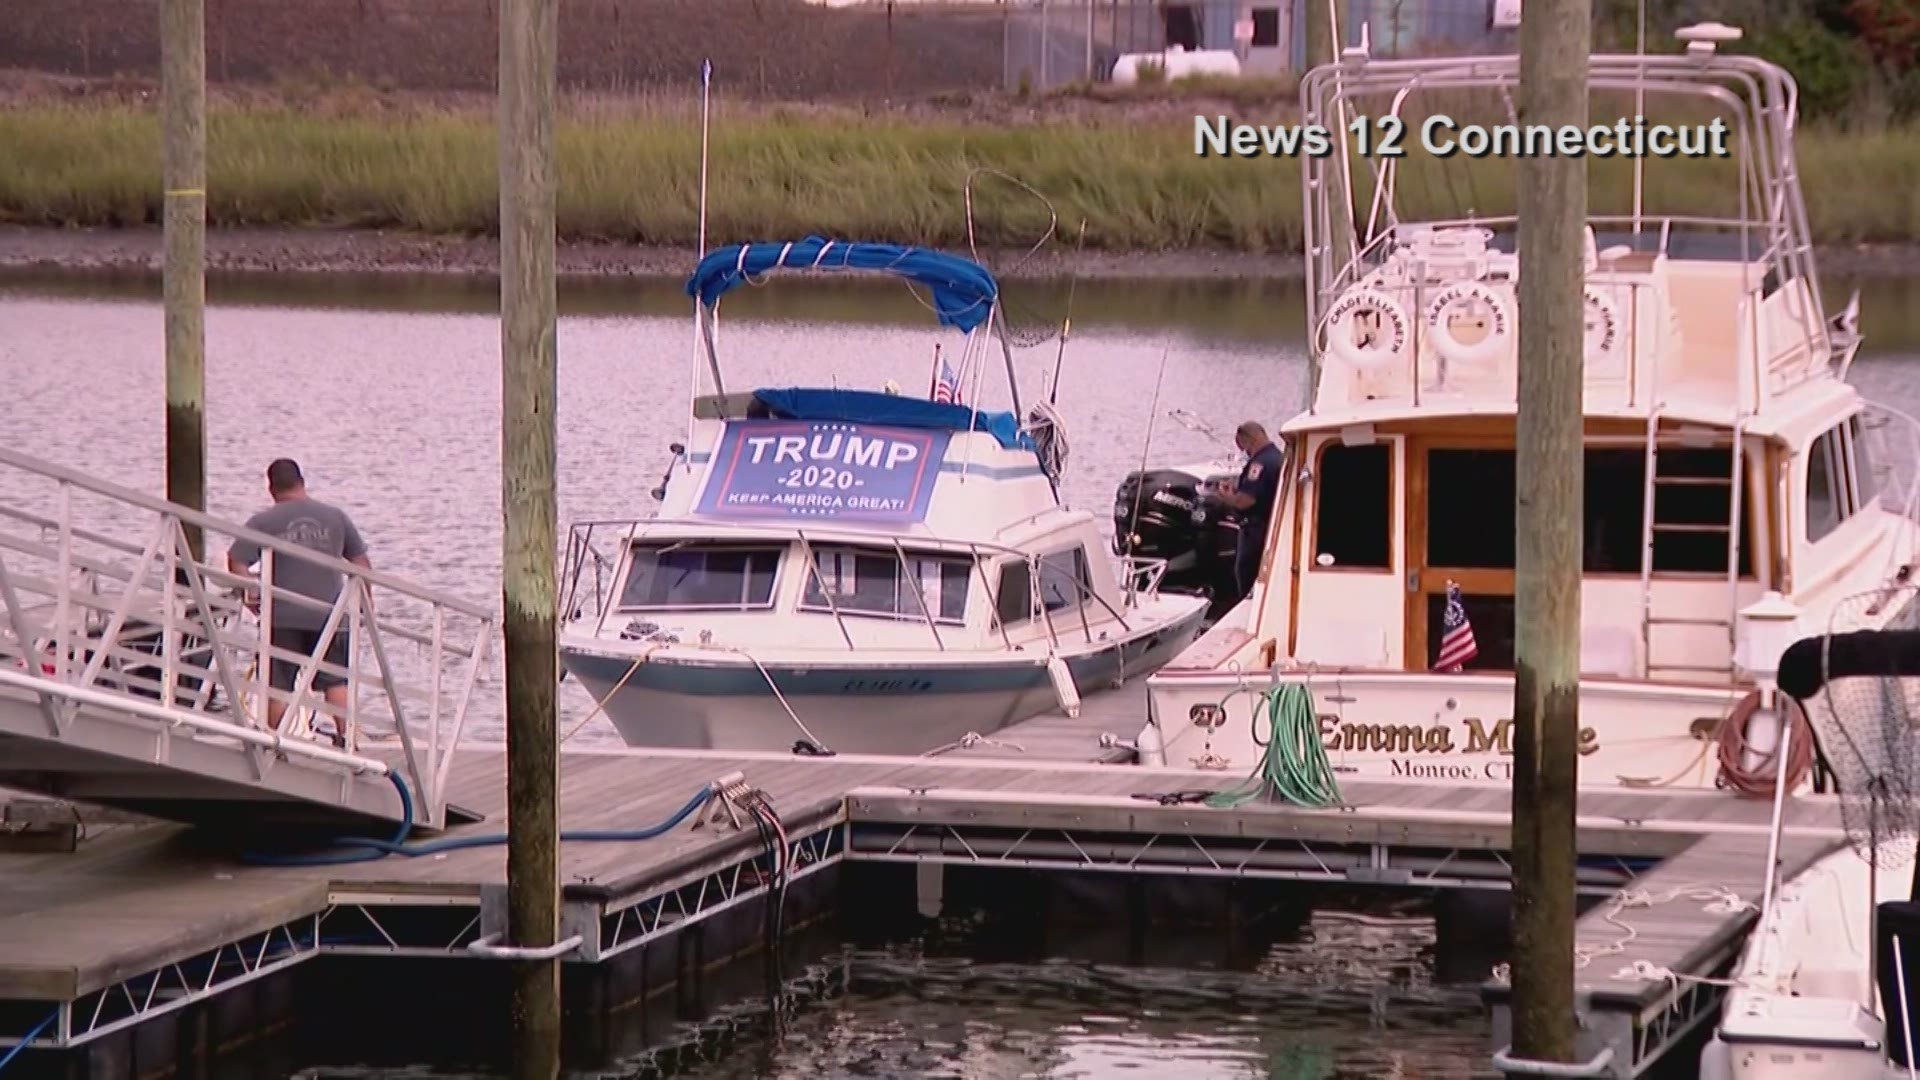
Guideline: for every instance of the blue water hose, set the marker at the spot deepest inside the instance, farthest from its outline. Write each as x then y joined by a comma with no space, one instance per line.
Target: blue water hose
368,849
16,1048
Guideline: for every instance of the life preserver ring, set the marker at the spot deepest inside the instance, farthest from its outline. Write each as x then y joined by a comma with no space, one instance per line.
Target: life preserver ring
1374,343
1496,324
1601,320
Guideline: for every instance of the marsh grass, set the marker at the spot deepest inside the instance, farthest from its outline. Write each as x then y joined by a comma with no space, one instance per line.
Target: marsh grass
630,172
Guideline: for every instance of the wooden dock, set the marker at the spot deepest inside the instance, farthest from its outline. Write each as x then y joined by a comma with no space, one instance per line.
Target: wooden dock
144,919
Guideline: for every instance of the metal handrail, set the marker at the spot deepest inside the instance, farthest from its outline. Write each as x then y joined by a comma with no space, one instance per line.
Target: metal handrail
1761,97
69,623
975,550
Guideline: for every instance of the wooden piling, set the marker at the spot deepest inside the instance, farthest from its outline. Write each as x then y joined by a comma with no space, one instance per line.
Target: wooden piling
530,619
183,121
1555,39
1321,48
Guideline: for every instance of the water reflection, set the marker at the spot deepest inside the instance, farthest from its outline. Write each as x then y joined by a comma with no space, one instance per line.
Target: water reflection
395,414
1254,311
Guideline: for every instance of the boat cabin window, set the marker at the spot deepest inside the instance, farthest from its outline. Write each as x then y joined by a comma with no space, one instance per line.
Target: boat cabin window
1353,520
1064,583
1842,477
1470,508
1471,524
1827,504
697,576
870,581
1866,467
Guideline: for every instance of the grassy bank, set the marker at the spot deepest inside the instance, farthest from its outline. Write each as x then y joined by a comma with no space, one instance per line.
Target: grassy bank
630,173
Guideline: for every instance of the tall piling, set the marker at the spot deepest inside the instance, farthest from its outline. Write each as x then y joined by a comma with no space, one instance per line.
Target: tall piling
529,373
1320,17
1555,38
183,124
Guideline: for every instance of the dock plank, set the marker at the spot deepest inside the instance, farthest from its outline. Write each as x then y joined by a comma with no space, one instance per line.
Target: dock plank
137,897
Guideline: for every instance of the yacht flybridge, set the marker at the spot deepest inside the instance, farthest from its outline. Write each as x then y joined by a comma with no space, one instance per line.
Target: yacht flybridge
1735,482
855,570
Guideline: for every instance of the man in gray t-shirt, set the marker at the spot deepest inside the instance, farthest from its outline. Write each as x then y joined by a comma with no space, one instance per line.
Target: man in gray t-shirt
300,519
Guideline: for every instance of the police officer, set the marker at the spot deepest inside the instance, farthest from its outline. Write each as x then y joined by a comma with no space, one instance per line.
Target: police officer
1253,496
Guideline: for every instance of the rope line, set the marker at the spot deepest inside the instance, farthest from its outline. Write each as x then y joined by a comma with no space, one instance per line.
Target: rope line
1714,899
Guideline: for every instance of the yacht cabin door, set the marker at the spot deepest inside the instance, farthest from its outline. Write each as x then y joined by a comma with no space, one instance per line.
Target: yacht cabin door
1460,529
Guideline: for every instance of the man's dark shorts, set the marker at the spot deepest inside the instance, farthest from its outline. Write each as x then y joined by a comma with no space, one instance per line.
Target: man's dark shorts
304,643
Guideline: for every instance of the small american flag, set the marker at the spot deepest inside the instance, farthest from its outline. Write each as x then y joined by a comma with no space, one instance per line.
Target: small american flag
947,387
1456,634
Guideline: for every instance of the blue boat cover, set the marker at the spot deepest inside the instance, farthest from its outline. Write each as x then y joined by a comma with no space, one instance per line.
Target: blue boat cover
963,290
868,407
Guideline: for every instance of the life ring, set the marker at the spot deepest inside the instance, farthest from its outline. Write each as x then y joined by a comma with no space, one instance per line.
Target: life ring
1371,344
1601,321
1496,325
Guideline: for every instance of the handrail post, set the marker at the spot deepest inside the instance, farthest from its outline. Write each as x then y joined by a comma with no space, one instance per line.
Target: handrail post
433,697
349,724
63,608
1037,599
263,660
908,576
170,621
993,597
806,552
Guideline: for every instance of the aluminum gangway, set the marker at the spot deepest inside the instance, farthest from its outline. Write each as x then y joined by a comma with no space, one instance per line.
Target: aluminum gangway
132,673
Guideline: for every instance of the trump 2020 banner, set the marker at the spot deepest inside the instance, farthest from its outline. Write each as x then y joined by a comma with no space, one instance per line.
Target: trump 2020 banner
823,469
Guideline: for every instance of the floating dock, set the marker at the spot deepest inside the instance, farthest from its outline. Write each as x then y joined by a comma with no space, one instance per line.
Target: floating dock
145,922
131,679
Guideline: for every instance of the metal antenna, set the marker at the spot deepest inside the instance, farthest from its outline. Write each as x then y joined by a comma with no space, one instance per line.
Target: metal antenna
1639,110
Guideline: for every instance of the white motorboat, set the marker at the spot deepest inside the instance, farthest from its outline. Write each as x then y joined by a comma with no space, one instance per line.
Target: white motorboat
858,571
1735,480
1827,986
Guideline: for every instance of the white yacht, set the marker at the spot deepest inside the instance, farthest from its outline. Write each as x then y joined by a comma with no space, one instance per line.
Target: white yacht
858,571
1736,482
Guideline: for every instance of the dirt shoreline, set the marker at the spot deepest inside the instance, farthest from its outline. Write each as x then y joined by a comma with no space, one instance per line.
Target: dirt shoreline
380,252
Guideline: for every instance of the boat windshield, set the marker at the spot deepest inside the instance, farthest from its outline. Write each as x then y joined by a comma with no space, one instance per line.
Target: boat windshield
689,576
871,581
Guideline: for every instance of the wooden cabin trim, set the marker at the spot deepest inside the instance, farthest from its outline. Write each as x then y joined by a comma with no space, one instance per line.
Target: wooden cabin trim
1297,575
1395,544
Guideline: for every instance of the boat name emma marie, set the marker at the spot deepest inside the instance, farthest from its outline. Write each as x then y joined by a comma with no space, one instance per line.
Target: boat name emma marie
1435,738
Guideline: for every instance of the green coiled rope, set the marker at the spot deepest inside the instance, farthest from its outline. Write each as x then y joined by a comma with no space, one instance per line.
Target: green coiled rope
1293,763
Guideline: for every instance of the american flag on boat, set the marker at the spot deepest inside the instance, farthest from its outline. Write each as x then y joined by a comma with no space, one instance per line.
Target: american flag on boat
947,387
1456,634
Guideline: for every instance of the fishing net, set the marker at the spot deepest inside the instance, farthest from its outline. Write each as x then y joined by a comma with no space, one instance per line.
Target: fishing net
1866,727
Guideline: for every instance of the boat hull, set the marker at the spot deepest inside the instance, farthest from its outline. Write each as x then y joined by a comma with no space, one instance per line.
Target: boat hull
708,701
1802,1008
1441,727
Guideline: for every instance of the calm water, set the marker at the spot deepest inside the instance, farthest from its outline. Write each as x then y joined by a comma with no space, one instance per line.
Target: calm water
388,394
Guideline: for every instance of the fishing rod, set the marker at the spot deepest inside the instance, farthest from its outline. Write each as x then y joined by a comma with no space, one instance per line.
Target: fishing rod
1066,324
1146,449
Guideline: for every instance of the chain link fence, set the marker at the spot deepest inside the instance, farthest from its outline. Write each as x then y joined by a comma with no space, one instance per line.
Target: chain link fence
784,49
787,49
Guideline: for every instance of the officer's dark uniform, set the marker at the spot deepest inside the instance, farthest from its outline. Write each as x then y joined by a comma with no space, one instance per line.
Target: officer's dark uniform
1260,479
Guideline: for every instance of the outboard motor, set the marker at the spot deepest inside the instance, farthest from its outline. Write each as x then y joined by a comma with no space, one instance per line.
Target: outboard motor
1195,533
